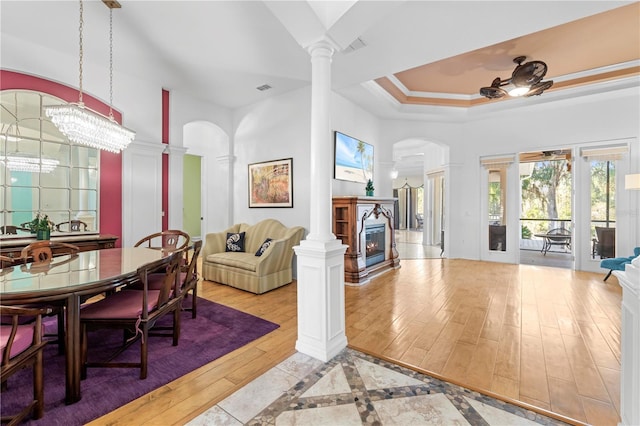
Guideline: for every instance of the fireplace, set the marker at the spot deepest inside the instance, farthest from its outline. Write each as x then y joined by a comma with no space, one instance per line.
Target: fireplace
375,243
365,226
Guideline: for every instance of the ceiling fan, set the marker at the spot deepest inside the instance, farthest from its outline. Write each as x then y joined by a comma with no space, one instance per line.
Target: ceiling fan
526,80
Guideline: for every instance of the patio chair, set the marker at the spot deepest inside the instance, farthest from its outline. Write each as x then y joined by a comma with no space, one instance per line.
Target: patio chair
557,237
22,347
605,242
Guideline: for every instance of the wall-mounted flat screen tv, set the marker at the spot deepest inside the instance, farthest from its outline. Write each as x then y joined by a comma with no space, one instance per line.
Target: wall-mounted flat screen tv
353,159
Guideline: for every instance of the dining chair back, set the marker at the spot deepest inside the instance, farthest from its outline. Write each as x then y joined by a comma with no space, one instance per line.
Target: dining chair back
42,252
135,312
22,347
11,229
172,239
189,277
5,261
72,226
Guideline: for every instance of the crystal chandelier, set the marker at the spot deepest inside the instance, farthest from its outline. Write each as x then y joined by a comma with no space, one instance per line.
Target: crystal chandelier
84,126
24,163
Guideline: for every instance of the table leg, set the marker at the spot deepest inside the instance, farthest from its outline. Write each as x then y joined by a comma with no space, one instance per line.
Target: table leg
72,348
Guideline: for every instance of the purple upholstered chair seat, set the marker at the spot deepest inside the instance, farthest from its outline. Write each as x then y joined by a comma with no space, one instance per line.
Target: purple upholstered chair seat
136,308
23,339
21,346
123,304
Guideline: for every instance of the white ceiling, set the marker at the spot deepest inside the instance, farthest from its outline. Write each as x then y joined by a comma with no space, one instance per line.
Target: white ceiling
220,51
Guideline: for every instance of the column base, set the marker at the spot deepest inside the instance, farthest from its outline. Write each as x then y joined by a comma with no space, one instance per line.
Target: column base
321,306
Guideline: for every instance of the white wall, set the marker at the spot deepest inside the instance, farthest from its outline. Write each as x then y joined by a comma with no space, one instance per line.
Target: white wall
273,129
352,120
280,127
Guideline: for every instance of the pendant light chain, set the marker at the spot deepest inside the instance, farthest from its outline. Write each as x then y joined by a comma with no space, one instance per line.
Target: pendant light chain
111,63
81,54
82,125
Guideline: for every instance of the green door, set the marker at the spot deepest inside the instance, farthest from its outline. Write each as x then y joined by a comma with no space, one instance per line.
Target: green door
191,203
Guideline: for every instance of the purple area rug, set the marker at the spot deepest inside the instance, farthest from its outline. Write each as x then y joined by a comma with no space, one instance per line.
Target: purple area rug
216,331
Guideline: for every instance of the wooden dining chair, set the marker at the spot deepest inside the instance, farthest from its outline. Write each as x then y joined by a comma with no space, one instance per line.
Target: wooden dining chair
22,347
188,277
38,255
5,261
136,313
11,229
42,252
172,239
72,225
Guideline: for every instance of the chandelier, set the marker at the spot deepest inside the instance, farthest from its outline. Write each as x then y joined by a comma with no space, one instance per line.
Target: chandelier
84,126
26,163
526,80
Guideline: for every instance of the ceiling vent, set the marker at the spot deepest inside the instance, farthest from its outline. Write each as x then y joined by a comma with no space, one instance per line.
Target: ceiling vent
264,87
357,44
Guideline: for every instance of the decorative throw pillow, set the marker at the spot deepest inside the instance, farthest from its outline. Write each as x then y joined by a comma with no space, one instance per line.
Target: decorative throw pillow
264,246
235,241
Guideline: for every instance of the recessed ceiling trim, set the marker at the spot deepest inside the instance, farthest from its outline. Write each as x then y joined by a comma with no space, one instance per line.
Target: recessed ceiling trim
417,94
590,77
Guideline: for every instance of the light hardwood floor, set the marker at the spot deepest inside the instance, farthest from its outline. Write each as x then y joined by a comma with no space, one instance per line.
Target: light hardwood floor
543,336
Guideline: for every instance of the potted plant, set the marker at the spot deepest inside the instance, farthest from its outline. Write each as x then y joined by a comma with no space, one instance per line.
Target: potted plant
369,188
41,226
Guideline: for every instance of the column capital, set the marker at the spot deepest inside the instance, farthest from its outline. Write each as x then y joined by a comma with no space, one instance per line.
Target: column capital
225,159
321,48
174,150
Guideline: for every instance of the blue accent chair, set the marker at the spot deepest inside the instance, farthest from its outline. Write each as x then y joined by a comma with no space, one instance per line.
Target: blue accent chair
617,263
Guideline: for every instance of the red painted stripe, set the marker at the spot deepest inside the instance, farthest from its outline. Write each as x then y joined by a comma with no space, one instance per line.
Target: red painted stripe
165,116
165,160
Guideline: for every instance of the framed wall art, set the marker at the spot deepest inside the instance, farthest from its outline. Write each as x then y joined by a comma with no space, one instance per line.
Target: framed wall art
353,159
271,183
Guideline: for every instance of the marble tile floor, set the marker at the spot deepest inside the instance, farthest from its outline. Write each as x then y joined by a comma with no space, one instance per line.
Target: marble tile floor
409,246
356,389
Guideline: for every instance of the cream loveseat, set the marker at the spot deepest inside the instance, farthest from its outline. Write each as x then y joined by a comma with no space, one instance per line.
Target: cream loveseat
245,270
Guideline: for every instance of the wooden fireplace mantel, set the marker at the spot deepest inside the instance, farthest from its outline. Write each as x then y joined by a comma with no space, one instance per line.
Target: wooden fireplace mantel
351,214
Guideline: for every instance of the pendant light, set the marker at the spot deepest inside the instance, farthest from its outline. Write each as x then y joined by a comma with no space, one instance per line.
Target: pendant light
84,126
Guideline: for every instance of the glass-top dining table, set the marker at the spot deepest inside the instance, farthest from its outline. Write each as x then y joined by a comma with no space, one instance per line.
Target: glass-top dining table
69,279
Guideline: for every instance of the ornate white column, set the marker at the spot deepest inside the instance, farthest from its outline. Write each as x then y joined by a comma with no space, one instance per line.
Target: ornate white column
321,318
630,344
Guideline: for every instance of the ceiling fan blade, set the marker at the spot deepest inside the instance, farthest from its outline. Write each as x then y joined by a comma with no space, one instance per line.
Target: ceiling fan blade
492,92
538,88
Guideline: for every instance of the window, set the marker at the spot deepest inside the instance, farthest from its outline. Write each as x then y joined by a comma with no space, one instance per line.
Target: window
41,171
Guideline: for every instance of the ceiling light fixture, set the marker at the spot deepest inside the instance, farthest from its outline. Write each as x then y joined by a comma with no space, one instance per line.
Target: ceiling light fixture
30,164
83,125
526,80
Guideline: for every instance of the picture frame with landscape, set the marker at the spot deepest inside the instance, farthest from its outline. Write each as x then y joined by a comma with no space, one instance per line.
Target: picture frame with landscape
353,159
271,183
